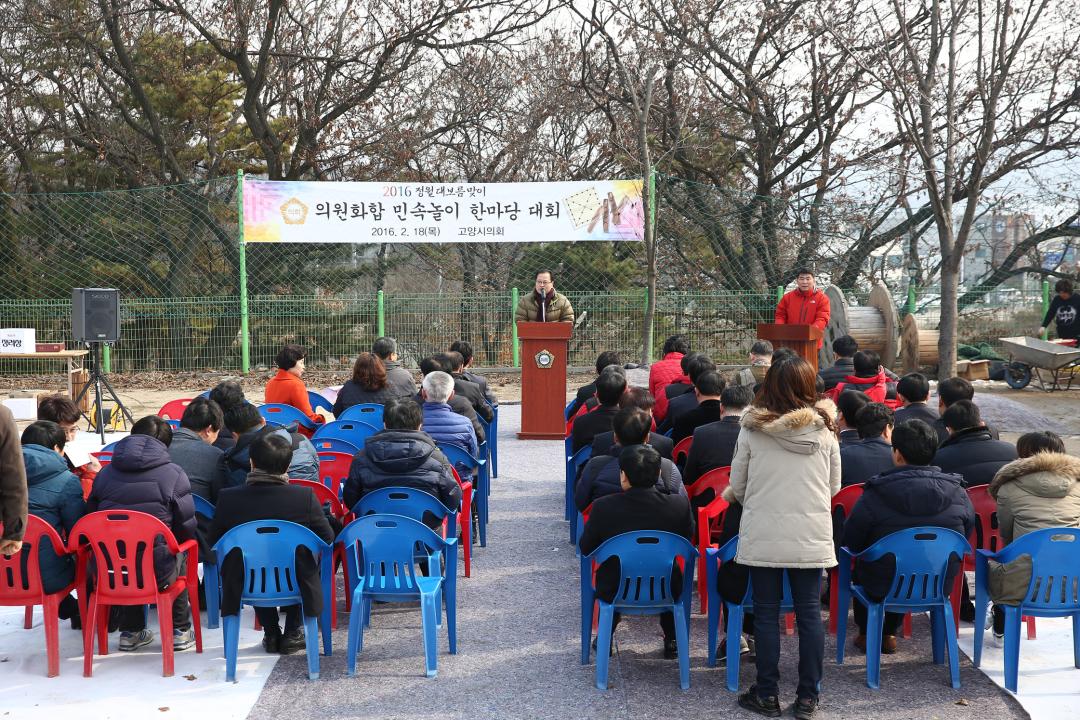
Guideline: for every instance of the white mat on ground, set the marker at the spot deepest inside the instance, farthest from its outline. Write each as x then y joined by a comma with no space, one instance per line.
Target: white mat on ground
1049,685
127,685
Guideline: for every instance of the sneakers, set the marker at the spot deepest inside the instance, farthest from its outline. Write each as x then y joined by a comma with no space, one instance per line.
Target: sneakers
130,641
888,644
721,649
999,640
804,708
292,642
183,639
768,706
271,642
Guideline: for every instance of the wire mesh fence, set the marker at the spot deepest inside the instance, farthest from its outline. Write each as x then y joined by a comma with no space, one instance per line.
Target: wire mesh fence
173,253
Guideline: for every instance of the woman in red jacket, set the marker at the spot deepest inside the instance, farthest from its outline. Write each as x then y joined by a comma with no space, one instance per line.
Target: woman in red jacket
286,387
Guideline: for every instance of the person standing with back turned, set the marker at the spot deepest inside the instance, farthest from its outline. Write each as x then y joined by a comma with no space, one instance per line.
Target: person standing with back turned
785,472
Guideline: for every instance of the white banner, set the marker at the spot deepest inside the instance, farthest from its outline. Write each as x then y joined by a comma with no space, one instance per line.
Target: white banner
363,212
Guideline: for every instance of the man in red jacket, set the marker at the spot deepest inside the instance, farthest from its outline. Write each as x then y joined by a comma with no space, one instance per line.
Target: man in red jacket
805,305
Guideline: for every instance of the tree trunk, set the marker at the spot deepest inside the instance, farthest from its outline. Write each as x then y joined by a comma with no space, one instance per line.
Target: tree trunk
950,275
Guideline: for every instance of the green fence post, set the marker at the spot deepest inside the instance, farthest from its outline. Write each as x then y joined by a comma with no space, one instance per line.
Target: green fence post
106,358
513,327
779,293
1045,304
380,313
245,337
911,299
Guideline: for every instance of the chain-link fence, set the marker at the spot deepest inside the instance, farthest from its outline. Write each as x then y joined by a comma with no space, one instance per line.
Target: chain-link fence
173,254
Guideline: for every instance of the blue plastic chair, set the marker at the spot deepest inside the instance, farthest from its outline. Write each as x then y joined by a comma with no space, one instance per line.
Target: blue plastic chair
922,559
577,462
351,431
493,440
285,415
568,454
645,561
110,447
459,457
269,551
333,444
211,580
1052,592
408,502
485,447
715,557
383,568
318,402
566,411
370,413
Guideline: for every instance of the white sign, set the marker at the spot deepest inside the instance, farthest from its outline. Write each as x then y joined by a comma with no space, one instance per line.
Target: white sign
18,340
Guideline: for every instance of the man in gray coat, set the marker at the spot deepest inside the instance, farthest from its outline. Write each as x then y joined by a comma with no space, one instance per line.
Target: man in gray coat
193,448
398,379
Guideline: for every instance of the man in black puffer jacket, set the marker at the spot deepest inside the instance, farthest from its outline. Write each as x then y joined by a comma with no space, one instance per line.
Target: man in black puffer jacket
912,494
971,449
142,477
402,455
601,475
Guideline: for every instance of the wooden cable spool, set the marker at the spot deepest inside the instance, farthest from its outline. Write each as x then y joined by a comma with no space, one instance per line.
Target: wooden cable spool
919,342
872,326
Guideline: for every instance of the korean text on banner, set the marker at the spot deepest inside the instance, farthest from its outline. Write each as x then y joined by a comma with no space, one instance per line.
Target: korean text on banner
361,212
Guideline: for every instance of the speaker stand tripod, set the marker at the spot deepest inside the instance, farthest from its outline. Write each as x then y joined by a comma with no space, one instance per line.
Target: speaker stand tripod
97,379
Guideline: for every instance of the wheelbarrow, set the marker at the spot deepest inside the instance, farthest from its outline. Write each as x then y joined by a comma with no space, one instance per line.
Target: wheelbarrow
1049,362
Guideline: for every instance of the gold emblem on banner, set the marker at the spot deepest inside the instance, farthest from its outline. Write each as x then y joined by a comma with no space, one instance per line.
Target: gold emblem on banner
294,212
545,359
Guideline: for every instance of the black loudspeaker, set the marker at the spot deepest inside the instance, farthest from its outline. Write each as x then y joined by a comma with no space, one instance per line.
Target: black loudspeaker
95,314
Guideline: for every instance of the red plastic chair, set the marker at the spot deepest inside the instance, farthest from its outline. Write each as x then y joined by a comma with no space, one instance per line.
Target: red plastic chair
334,469
987,536
121,543
325,495
682,449
710,521
716,480
103,456
174,409
844,501
465,519
18,589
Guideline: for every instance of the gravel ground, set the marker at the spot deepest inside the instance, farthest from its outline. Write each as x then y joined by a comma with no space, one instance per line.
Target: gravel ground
518,646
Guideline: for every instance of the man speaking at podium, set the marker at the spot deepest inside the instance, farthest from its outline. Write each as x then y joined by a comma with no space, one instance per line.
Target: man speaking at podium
805,305
544,304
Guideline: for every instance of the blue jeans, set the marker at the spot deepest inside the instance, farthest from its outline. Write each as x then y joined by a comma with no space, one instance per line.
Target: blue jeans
806,594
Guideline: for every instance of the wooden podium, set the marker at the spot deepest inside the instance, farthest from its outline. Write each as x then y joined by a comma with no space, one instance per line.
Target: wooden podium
803,339
543,379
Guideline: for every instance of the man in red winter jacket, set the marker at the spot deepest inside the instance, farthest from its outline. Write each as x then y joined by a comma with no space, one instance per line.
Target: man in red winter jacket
805,305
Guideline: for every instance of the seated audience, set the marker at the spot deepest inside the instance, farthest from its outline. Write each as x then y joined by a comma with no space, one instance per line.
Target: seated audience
227,394
1039,490
971,450
286,387
872,454
440,422
664,371
369,384
402,455
681,385
869,378
192,448
848,405
697,364
714,443
142,477
639,397
707,389
845,347
453,363
760,360
601,474
248,425
913,494
267,495
54,494
399,380
640,506
610,386
585,392
912,391
465,348
950,391
61,410
459,405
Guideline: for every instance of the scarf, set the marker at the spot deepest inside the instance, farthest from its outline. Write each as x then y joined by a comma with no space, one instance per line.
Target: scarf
261,476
